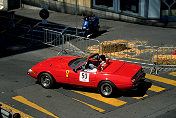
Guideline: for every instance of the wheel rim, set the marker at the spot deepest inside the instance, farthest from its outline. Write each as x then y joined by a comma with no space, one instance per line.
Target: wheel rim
45,80
106,89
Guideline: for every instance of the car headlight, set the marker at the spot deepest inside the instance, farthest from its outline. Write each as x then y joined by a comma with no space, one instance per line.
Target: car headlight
31,71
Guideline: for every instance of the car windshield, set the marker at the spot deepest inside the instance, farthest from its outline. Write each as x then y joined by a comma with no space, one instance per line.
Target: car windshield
76,62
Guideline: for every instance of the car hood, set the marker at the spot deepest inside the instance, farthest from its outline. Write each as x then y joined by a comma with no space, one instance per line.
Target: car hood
59,62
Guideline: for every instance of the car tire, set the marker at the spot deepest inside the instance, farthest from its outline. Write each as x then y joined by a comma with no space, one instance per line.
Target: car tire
46,80
106,88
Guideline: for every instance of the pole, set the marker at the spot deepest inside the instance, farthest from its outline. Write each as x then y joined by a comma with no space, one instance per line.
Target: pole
76,3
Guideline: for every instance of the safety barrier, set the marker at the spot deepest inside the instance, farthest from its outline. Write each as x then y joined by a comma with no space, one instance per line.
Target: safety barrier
70,43
80,44
155,59
53,38
131,53
165,59
139,54
149,57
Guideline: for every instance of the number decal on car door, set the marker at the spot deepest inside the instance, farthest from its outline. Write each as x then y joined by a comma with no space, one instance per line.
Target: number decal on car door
84,77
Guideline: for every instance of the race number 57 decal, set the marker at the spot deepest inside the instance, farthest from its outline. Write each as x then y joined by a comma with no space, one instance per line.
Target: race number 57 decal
84,77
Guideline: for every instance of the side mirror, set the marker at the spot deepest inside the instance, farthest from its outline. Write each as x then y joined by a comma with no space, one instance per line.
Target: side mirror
75,70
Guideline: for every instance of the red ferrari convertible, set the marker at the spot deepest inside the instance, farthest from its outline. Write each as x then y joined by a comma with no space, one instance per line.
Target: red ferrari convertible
114,75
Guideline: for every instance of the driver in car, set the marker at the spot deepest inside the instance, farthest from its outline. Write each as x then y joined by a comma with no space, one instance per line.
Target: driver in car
92,68
103,61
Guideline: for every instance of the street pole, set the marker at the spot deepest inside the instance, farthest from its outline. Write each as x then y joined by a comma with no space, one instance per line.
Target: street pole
76,3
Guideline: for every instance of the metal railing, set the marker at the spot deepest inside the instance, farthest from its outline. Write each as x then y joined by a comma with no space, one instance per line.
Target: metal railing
131,53
80,44
139,54
149,57
70,43
164,59
53,38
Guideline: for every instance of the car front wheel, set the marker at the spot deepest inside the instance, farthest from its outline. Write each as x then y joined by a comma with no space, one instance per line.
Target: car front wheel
46,80
106,88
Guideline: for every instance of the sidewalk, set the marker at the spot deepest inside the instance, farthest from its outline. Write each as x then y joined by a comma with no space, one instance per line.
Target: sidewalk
152,35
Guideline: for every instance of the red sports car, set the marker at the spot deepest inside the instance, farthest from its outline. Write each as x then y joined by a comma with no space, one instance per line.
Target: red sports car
114,75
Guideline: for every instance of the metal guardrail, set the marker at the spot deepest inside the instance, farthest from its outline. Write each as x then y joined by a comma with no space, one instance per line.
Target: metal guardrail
147,56
130,53
165,59
69,43
138,54
52,38
77,43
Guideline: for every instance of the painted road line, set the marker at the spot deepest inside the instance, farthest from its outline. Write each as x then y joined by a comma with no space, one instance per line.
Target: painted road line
152,88
33,105
13,110
140,97
161,79
111,101
156,88
91,106
172,73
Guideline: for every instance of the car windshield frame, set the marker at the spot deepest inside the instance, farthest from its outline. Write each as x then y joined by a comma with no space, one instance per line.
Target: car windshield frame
78,62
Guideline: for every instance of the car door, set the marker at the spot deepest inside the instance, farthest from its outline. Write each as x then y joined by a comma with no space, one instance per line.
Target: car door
62,76
83,78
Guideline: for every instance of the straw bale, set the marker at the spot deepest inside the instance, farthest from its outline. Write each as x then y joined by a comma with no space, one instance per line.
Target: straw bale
119,50
165,59
113,47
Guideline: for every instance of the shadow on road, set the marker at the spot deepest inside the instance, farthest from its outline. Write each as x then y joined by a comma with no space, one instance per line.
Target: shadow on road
20,34
139,92
12,28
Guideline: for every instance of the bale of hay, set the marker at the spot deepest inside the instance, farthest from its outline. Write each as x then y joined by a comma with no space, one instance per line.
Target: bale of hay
113,47
165,59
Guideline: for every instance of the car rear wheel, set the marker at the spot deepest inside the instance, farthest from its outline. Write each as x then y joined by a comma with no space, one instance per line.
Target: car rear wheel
46,80
106,88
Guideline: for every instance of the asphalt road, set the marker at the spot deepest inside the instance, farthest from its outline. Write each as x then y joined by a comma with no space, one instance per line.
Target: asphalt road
21,92
67,102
